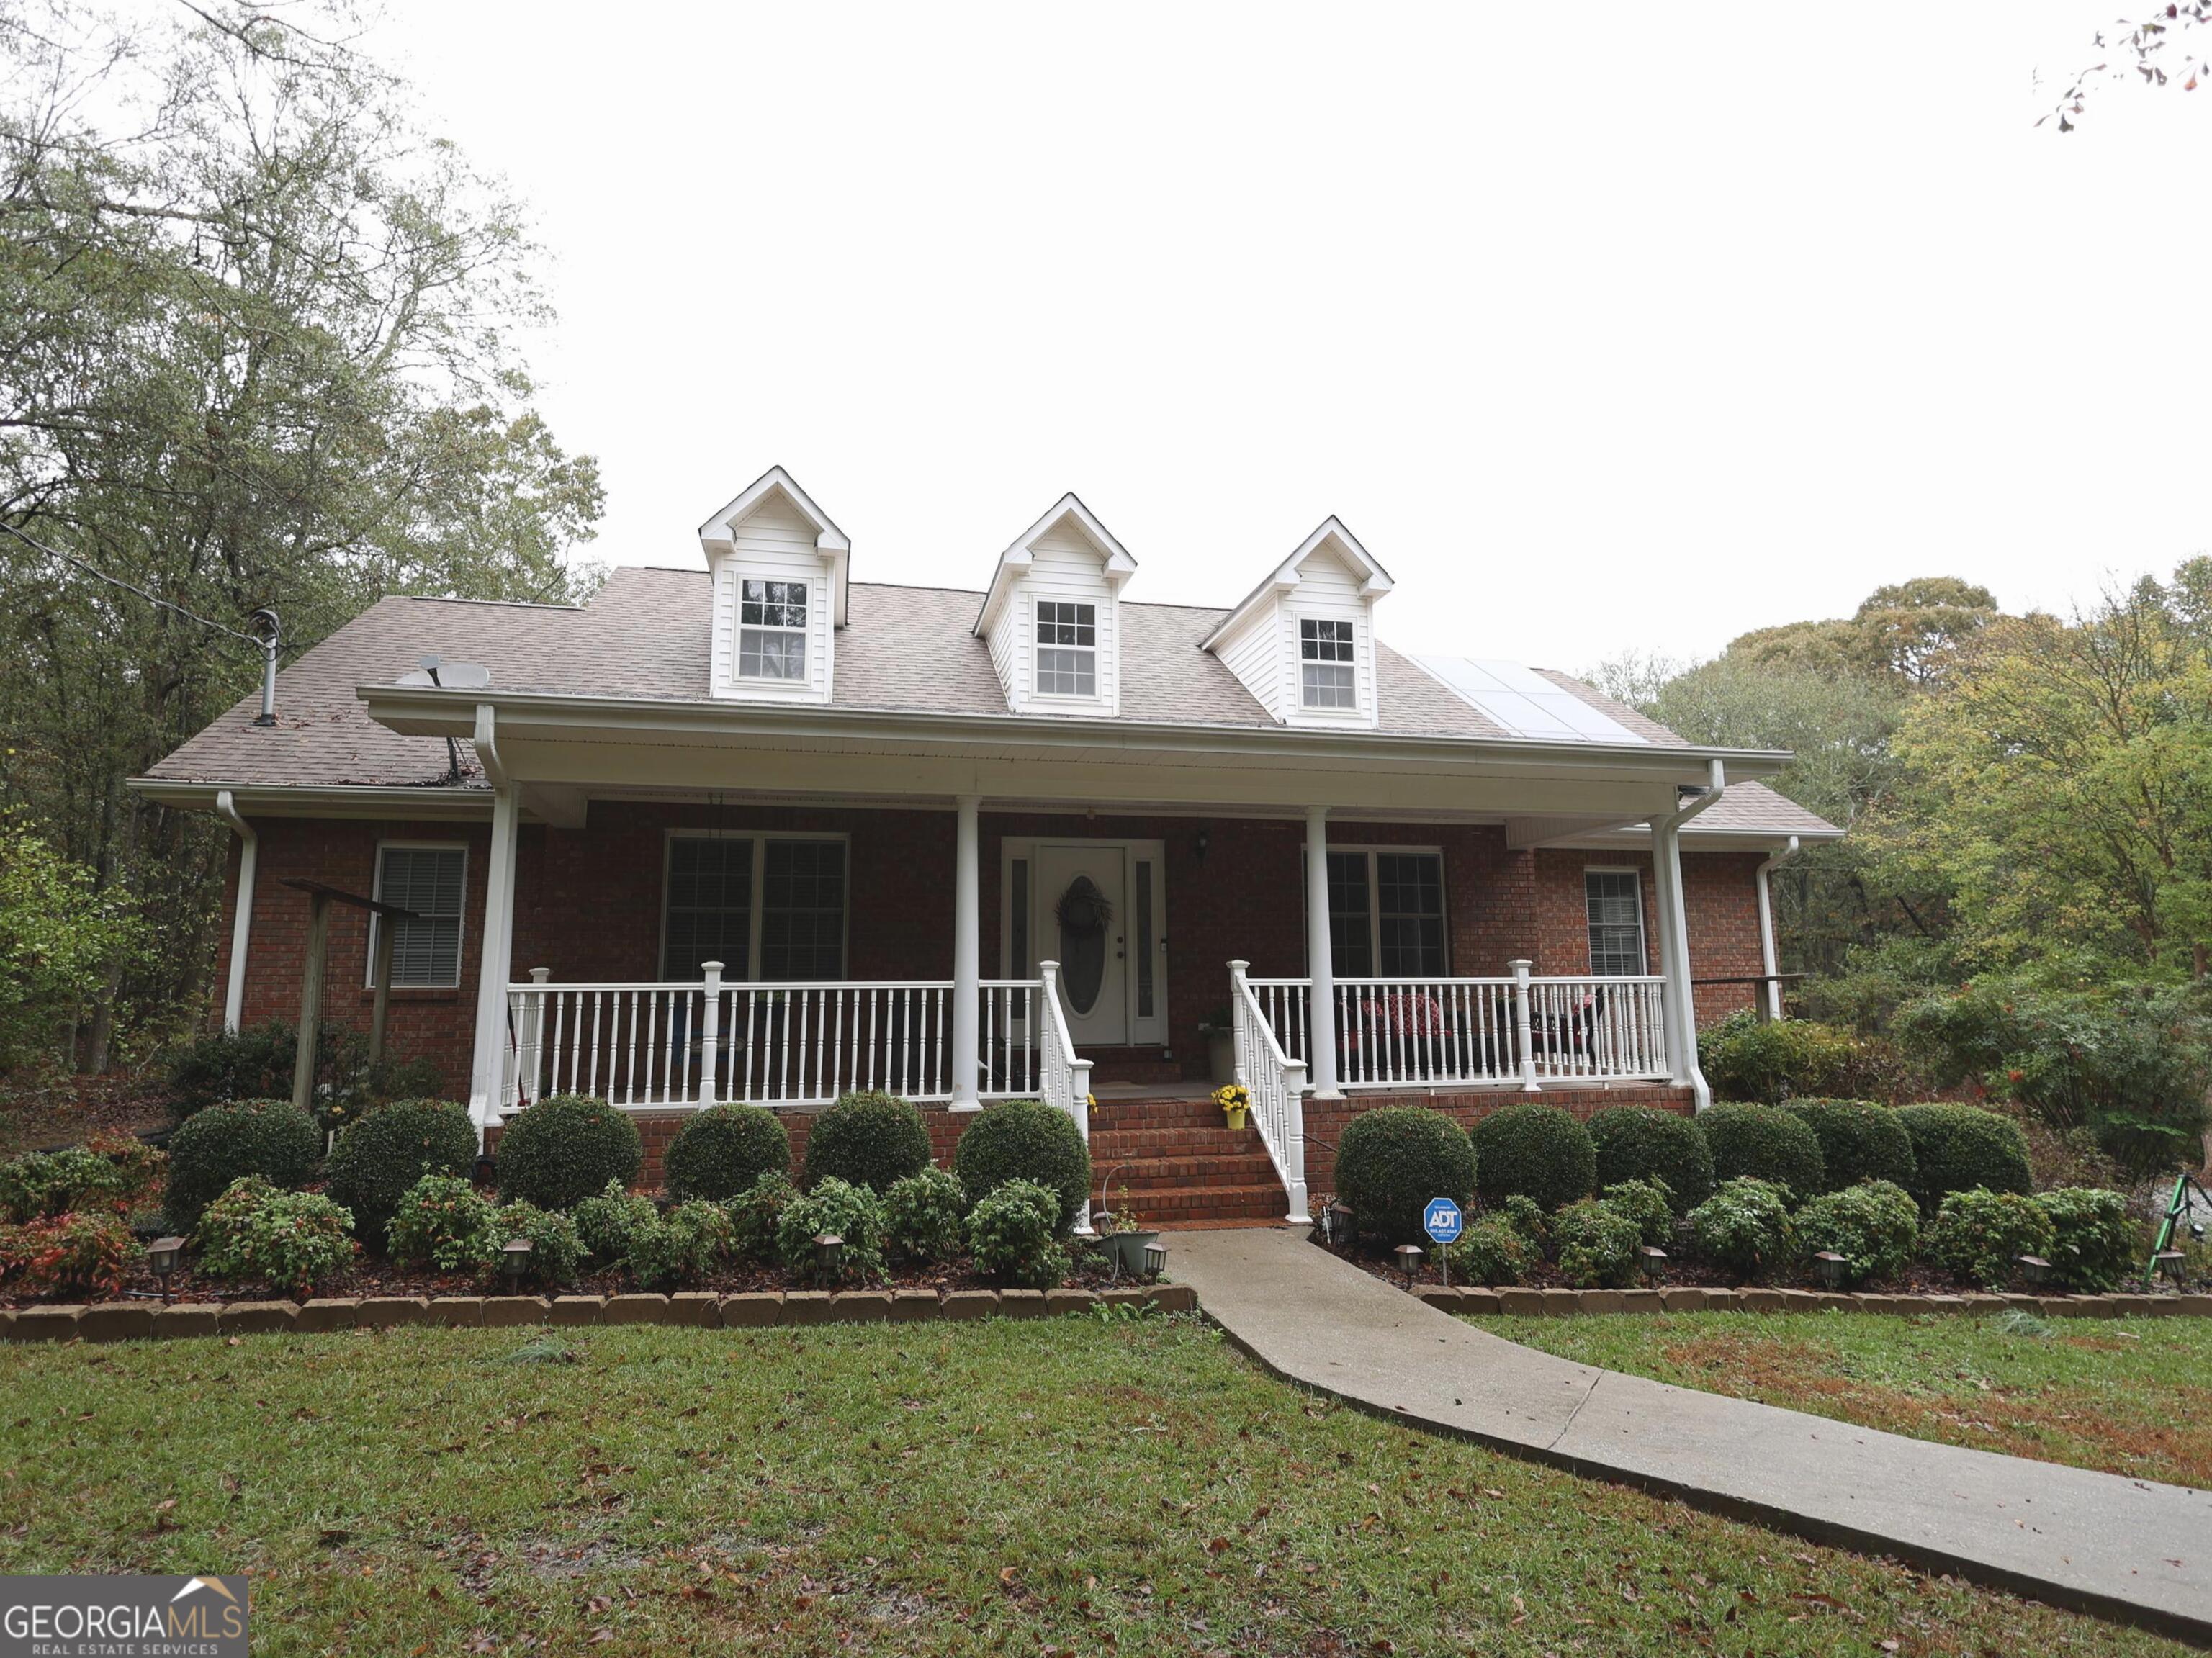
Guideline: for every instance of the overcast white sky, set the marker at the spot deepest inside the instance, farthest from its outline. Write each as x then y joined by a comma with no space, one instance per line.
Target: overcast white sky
1615,327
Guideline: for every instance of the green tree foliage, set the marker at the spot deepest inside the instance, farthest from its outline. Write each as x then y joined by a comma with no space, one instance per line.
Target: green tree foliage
60,937
259,346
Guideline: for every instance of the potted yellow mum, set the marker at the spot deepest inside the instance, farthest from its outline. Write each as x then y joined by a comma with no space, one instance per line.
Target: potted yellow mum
1234,1103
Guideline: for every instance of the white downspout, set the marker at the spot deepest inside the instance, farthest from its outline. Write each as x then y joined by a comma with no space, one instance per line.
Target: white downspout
241,920
1674,924
1770,992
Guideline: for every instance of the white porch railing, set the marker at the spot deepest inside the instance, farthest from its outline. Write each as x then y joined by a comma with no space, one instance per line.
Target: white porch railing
1276,1085
676,1045
1065,1080
1395,1033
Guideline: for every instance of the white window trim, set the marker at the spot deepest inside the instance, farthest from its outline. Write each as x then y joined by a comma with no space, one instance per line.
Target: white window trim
801,632
1350,664
1370,850
759,838
461,921
1643,933
1038,647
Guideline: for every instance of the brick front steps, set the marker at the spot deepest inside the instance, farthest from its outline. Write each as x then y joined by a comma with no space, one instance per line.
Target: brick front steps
125,1320
1568,1303
1181,1165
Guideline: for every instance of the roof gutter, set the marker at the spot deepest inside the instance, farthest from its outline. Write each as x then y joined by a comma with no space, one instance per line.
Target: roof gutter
1770,991
242,921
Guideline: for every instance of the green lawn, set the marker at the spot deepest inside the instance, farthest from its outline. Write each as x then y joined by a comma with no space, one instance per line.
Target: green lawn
1075,1486
2132,1396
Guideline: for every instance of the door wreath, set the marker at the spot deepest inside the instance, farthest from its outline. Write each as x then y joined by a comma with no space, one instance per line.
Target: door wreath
1082,910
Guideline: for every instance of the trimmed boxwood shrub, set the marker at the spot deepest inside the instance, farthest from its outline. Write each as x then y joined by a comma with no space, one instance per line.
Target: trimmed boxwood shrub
1026,1139
1010,1234
1743,1228
1393,1161
606,1221
720,1151
1859,1141
273,1139
1644,1142
1491,1251
1874,1227
922,1215
1535,1149
2094,1244
1978,1235
1958,1148
853,1212
564,1148
1764,1142
867,1139
375,1160
1600,1248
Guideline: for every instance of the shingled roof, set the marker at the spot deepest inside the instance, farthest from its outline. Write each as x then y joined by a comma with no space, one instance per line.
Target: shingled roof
646,634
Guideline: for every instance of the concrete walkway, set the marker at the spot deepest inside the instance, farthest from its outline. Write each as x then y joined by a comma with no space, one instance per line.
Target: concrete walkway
2123,1548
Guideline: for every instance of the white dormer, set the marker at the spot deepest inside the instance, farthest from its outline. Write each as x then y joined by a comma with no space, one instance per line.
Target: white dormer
778,568
1053,616
1303,640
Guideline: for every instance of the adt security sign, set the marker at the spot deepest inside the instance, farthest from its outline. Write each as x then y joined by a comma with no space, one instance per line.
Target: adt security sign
1442,1220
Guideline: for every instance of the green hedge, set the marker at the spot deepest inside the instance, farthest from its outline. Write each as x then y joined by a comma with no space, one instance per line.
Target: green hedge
867,1139
273,1139
1874,1227
1762,1143
1744,1227
376,1160
1645,1142
1859,1141
1538,1150
2094,1241
1959,1148
564,1148
1980,1234
1026,1139
1393,1161
1600,1248
720,1151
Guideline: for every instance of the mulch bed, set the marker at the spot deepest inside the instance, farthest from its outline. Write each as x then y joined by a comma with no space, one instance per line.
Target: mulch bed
62,1113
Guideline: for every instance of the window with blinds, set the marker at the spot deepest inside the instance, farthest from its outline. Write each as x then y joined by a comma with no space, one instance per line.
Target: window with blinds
1614,898
426,947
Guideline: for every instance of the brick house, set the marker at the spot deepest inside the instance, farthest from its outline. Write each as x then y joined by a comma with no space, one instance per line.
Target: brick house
760,832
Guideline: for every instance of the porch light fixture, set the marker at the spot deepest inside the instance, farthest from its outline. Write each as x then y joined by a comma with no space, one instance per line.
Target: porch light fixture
1205,840
1655,1262
2032,1268
514,1260
162,1255
1830,1266
1409,1257
2168,1263
829,1250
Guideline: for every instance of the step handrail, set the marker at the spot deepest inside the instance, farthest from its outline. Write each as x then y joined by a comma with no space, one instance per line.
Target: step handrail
1275,1084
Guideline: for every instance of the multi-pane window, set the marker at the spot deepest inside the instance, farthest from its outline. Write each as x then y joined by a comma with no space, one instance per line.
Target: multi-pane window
1066,648
1325,664
1386,915
426,947
1614,898
772,630
766,908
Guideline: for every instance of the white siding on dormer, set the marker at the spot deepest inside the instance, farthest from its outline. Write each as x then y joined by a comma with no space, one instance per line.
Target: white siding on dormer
1254,653
1327,590
774,543
1063,566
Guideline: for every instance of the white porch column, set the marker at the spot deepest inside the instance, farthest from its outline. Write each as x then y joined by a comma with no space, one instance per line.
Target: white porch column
967,953
1674,960
497,949
1320,962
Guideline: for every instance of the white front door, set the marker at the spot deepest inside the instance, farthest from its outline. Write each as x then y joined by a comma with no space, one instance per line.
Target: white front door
1082,922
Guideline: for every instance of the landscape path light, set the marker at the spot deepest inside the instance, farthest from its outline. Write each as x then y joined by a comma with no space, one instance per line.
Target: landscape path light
1830,1266
163,1255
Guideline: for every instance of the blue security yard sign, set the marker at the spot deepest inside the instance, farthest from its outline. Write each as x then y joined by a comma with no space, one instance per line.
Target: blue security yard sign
1442,1220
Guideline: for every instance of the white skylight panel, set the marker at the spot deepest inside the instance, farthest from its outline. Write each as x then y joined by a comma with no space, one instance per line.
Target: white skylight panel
1526,703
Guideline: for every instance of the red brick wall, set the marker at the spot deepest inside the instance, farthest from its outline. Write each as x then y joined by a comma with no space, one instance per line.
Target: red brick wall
588,906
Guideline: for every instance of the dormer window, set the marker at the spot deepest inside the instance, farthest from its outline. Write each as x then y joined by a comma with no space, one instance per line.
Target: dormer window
1325,665
772,630
1066,648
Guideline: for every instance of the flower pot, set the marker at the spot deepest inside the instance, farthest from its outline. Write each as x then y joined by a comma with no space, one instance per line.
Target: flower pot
1125,1251
1221,1057
1235,1114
